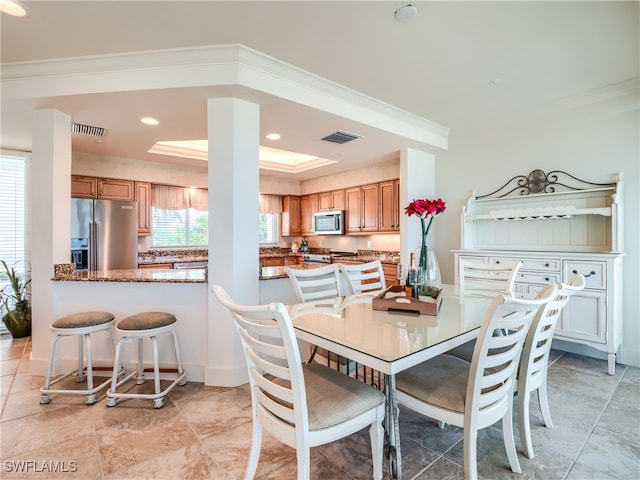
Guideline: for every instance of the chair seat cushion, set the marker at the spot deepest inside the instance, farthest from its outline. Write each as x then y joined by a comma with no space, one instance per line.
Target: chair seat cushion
333,397
146,321
441,381
83,319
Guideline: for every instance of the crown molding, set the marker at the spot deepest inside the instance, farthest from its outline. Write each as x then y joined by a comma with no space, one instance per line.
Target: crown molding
211,66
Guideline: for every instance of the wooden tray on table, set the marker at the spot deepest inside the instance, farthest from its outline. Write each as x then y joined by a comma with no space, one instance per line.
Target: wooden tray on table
397,301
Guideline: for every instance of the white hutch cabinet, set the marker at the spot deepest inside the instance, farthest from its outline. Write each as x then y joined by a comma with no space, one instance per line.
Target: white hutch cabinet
558,226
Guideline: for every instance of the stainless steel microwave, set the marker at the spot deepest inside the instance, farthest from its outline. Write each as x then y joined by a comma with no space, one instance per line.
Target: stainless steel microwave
329,223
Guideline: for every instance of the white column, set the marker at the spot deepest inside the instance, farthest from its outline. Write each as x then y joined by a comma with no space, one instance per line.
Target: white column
234,135
417,180
50,220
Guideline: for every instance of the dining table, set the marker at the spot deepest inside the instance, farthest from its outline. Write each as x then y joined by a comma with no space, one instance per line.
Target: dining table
390,341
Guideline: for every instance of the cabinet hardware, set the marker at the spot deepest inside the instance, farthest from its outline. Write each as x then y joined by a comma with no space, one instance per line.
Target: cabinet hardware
593,272
546,264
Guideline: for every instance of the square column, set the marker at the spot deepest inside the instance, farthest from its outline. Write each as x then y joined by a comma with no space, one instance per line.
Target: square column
50,191
234,135
417,180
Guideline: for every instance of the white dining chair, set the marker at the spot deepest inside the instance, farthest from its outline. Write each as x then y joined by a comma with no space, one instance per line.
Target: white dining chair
316,284
487,276
364,278
320,285
532,375
476,395
300,405
475,278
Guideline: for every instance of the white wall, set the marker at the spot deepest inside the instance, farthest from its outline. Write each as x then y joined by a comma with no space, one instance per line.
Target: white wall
592,142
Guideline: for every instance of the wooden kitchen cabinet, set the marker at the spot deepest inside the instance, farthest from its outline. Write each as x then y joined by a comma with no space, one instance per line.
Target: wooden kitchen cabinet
291,225
143,198
361,205
156,266
272,261
84,187
112,189
389,206
102,188
308,206
328,201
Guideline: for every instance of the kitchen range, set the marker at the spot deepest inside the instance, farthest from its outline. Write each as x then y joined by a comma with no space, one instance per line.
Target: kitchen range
325,258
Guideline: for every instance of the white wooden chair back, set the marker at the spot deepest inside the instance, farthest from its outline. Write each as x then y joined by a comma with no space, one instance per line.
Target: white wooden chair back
316,284
365,278
436,388
283,396
485,276
532,374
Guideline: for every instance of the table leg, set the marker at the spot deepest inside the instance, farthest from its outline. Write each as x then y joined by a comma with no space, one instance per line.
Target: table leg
392,428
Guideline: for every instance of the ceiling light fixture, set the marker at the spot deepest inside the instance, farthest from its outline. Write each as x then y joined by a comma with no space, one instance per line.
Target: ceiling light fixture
14,8
405,13
150,121
273,136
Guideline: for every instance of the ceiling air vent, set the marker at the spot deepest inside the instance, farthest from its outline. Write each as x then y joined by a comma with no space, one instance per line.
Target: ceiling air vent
341,137
89,130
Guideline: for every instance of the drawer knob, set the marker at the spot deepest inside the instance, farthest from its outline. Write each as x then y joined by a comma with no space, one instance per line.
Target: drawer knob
546,278
593,272
546,264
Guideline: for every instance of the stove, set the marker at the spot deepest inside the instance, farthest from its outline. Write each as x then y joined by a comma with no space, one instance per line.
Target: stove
316,258
324,257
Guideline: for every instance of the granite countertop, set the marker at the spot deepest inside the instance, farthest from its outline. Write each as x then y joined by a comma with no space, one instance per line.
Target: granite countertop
135,275
271,273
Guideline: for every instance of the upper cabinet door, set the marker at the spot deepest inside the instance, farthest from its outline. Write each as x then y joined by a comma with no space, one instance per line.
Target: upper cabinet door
84,187
390,206
143,197
110,189
331,201
291,216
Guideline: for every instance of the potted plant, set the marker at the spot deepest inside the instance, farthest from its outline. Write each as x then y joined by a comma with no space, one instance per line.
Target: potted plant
16,302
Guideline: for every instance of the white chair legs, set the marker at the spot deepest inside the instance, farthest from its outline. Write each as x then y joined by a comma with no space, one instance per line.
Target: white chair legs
140,326
82,325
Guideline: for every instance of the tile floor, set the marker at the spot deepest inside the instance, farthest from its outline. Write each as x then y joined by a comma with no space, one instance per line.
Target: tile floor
203,432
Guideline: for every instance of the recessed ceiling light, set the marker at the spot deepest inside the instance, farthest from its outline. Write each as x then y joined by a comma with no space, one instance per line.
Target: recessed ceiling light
495,81
150,121
273,136
13,8
405,13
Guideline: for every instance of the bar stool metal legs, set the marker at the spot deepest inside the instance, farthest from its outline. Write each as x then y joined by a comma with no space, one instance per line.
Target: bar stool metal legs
140,326
82,325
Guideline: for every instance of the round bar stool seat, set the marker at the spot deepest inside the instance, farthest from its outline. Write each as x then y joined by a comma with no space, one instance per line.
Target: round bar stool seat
140,326
82,325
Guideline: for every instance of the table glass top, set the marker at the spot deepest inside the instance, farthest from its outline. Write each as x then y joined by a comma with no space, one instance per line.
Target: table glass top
390,335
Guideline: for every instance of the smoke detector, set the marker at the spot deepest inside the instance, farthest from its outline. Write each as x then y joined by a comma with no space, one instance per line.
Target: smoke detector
405,13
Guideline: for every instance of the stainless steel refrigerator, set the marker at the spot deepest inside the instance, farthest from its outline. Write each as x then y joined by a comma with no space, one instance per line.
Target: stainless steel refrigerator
104,234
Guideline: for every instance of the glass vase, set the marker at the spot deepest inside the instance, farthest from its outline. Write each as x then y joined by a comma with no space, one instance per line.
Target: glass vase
429,272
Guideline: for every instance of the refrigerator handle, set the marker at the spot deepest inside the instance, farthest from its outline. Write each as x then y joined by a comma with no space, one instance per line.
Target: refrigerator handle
93,254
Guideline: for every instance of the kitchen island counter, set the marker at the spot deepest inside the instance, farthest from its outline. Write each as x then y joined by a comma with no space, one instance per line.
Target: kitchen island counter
135,275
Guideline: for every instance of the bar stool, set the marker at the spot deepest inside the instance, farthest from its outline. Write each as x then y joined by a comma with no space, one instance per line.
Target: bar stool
82,325
140,326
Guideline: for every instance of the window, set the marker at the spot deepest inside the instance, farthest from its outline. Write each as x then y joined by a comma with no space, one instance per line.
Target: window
268,228
179,228
12,216
12,210
179,216
269,208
